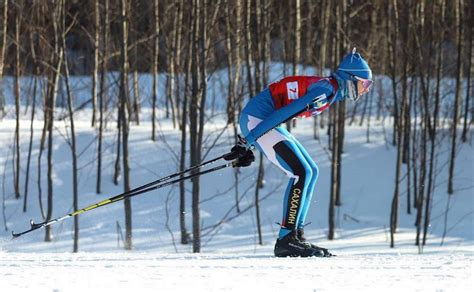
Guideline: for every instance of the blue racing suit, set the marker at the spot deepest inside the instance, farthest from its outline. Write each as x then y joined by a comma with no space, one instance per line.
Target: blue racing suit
260,122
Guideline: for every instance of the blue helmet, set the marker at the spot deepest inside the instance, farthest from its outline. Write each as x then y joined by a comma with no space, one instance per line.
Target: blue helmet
354,65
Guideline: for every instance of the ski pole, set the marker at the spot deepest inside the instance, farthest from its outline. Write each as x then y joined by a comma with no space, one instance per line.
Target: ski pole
163,179
137,191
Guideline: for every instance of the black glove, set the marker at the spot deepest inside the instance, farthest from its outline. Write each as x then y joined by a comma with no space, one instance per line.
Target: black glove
241,151
238,150
245,160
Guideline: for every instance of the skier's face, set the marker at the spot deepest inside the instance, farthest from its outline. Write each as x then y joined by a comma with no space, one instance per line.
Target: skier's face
363,85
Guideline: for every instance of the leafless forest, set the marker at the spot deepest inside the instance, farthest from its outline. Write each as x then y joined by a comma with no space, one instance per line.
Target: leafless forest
415,43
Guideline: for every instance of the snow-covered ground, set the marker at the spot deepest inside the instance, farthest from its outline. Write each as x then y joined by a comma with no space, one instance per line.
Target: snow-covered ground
152,271
231,258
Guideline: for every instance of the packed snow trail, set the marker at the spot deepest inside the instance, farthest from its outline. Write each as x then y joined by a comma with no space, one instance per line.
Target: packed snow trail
252,272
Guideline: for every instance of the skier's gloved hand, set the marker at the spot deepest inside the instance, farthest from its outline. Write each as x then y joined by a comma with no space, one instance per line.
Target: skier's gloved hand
240,149
245,160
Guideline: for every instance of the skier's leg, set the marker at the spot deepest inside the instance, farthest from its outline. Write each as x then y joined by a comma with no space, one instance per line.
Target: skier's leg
307,202
290,158
312,180
282,151
312,184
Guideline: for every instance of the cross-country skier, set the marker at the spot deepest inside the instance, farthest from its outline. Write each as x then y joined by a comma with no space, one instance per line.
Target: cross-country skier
290,97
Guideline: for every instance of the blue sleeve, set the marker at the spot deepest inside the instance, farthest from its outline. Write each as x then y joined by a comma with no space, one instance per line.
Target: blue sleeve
290,111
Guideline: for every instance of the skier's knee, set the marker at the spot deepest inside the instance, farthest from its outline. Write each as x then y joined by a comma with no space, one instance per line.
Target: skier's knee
306,171
314,169
300,171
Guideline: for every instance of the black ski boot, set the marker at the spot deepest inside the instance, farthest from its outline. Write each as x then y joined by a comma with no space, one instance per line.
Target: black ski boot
301,238
291,246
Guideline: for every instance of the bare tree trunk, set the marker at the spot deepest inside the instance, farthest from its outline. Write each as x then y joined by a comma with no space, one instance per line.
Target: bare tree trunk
117,168
56,61
171,76
334,129
414,151
438,53
406,100
170,100
124,103
102,92
460,43
424,106
95,75
230,65
258,46
257,199
309,51
50,108
395,199
185,236
264,59
259,36
196,94
232,72
73,141
341,47
425,118
16,173
33,110
297,44
136,90
179,68
421,195
182,161
44,99
40,155
3,48
284,32
341,118
333,195
248,47
156,48
401,126
196,86
235,121
410,153
470,72
97,50
325,16
266,40
392,45
30,147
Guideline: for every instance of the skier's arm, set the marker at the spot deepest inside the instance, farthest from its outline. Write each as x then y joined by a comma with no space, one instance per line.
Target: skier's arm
318,92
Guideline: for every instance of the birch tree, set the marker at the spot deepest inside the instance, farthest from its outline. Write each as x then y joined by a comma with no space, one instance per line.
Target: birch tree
54,75
457,98
17,153
3,48
124,117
